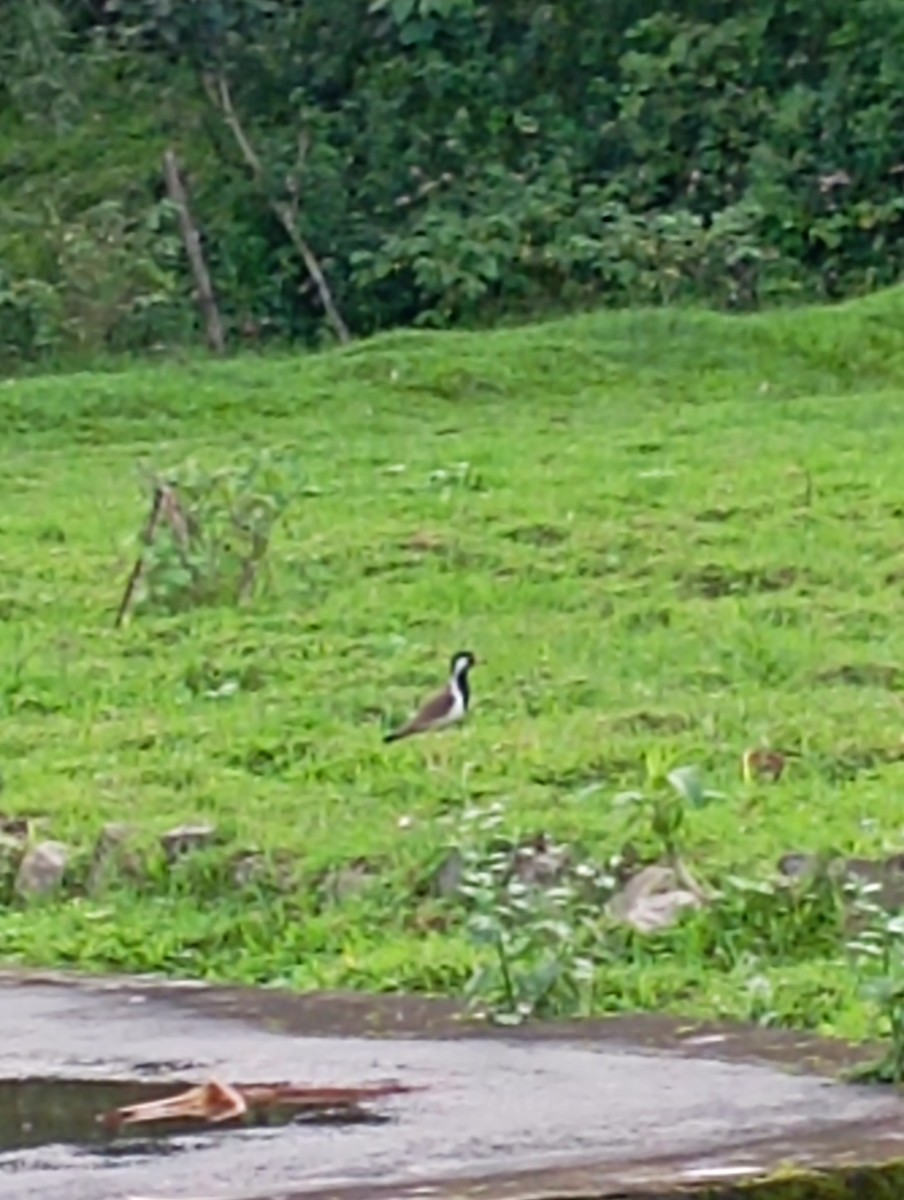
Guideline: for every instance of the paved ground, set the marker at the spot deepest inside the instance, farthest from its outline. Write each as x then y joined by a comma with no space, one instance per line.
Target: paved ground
602,1107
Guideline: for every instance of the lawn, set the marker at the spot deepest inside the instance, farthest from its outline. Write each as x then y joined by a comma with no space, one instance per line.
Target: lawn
667,536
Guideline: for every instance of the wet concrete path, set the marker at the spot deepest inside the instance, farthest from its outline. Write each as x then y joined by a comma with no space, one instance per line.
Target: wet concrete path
616,1102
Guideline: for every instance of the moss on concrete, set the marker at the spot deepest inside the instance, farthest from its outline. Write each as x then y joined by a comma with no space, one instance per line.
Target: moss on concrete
885,1182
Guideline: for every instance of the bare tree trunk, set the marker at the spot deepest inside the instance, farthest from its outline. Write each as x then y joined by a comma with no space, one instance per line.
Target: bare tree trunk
204,288
286,213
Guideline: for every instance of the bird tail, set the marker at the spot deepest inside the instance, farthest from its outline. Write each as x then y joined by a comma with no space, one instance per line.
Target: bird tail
401,731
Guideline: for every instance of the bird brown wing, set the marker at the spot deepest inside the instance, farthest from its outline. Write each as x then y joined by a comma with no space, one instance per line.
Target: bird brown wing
428,714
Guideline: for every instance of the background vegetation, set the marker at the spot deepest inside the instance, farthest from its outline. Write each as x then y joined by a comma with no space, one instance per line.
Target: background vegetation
448,162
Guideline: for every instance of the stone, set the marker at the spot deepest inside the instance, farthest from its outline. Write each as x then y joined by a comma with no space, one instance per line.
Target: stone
41,869
541,862
11,852
652,899
112,836
252,868
113,857
186,838
345,882
448,878
248,868
883,877
17,828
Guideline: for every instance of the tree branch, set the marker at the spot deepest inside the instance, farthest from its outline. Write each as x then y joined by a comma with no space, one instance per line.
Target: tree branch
220,97
192,241
165,507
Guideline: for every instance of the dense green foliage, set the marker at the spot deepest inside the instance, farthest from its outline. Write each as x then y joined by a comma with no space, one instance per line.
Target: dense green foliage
460,161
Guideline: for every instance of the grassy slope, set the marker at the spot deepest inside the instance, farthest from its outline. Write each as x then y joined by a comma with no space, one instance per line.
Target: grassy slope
623,469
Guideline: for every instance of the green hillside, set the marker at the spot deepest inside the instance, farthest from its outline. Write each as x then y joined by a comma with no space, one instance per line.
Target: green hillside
668,536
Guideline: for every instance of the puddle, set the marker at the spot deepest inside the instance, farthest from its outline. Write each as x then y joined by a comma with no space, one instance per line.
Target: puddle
44,1112
36,1113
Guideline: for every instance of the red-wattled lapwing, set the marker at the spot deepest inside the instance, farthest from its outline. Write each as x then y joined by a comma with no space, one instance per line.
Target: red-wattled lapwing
447,707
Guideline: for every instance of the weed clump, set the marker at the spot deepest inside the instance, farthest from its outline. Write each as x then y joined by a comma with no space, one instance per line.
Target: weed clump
209,533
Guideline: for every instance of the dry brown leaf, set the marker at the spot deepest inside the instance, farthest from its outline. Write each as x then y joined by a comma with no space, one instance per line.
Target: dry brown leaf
313,1097
762,764
213,1102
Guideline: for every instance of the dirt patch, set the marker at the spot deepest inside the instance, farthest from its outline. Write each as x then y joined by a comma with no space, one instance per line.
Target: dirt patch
644,721
716,516
538,535
878,675
580,775
850,762
714,581
647,618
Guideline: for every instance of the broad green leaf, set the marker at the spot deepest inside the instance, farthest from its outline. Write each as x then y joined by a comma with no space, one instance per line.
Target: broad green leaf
688,784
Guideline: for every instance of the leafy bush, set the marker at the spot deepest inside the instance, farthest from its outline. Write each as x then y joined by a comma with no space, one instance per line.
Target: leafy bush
878,952
540,942
117,280
29,319
113,285
213,541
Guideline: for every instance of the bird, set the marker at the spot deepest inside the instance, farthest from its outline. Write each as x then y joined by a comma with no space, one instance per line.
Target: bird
447,707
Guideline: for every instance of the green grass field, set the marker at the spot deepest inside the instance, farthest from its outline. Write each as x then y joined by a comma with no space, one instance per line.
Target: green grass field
669,533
